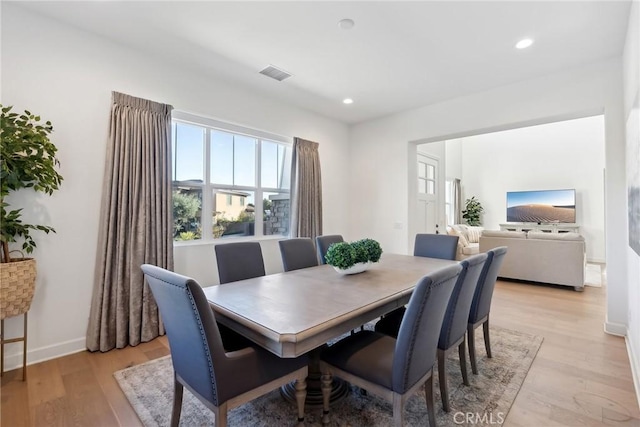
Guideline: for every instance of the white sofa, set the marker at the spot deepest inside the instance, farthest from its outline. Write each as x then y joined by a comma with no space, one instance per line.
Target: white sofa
556,258
468,239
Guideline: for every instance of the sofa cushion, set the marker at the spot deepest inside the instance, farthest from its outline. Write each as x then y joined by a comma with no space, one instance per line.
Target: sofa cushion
472,249
462,228
462,239
500,233
473,234
554,236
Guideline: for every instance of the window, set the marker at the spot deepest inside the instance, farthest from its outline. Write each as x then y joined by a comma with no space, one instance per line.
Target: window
448,204
219,171
426,178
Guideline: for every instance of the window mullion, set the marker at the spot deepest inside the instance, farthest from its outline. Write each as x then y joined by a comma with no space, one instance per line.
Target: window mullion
207,191
258,211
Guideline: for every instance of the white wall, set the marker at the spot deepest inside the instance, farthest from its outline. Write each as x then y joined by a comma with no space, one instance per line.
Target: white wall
568,154
386,143
454,158
631,79
67,76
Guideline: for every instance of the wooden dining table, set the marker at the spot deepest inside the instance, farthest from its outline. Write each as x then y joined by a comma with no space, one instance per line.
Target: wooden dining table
297,312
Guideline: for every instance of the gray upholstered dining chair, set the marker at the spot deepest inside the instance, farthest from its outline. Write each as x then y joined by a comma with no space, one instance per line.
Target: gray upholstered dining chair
441,246
298,253
454,324
391,368
239,261
219,379
481,305
323,243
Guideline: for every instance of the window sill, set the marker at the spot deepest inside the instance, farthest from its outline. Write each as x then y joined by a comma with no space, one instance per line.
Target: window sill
213,242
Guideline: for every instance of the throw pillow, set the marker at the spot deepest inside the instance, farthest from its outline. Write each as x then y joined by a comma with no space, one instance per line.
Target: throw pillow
462,240
473,234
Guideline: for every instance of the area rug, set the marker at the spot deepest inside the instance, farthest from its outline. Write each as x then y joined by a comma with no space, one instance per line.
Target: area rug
149,388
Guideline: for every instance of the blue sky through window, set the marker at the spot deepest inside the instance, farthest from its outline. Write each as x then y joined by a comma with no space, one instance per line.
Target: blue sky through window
233,158
188,152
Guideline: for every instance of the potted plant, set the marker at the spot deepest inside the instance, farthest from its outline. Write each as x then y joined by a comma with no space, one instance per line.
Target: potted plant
368,250
28,160
355,257
472,211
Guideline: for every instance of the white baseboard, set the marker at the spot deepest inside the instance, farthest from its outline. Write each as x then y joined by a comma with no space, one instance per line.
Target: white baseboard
634,360
617,329
14,360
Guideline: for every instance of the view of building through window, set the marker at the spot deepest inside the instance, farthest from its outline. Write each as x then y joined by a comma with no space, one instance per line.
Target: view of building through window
217,177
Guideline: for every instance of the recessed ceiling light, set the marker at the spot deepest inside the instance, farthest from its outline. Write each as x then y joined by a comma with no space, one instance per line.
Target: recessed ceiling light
346,24
524,43
347,101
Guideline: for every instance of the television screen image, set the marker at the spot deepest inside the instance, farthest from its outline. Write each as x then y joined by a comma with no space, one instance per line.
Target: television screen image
547,206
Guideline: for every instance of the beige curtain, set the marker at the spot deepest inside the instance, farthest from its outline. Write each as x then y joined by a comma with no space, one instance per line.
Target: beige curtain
135,224
306,190
457,201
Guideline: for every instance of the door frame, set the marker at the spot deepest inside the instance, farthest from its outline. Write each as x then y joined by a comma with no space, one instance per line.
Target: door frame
412,177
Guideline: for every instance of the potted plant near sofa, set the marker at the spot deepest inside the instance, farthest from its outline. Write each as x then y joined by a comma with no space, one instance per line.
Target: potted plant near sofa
28,160
472,211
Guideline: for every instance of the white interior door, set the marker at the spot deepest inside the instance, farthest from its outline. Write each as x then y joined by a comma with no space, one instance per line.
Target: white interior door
427,194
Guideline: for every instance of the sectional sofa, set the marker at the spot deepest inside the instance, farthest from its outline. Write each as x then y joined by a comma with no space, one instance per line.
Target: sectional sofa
556,258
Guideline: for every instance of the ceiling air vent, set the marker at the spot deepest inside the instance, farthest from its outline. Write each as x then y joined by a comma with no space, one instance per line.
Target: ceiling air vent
275,73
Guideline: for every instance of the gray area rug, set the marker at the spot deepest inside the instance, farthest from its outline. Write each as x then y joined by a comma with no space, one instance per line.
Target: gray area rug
149,388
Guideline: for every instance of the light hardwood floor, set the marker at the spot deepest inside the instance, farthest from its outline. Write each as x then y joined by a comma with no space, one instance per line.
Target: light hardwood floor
580,377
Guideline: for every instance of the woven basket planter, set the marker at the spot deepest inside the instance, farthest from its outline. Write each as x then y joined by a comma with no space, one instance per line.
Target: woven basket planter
17,285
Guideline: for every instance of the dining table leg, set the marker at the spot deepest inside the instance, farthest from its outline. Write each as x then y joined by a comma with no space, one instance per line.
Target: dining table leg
340,389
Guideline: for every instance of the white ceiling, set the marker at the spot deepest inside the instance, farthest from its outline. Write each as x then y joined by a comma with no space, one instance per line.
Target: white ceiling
399,55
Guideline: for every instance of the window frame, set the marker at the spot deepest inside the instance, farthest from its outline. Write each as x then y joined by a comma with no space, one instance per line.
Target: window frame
208,189
448,201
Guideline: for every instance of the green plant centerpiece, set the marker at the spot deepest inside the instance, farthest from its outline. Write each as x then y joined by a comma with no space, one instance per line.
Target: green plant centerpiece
27,160
472,211
354,257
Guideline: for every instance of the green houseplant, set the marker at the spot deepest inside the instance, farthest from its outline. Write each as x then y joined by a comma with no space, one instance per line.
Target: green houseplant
367,250
472,211
355,257
27,160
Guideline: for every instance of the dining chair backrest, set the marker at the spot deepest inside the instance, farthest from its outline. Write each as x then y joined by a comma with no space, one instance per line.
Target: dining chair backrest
455,320
239,261
486,283
441,246
298,253
416,345
323,243
196,346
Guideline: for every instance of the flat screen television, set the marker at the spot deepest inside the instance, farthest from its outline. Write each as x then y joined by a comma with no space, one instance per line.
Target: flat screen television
542,207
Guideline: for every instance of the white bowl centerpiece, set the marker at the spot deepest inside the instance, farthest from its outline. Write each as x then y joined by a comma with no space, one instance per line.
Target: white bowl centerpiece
354,257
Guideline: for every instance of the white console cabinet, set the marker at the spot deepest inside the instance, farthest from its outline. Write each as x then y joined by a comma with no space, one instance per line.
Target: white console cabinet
547,228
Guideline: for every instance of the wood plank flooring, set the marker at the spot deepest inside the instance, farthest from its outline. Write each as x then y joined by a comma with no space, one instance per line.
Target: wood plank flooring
580,377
